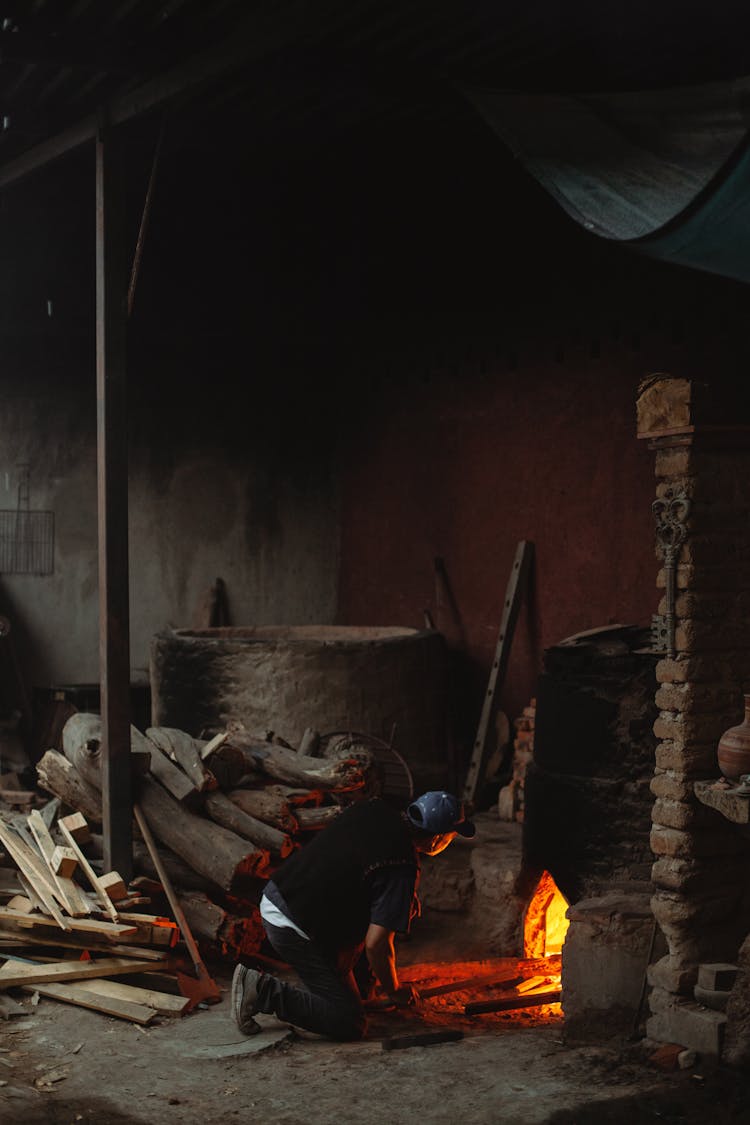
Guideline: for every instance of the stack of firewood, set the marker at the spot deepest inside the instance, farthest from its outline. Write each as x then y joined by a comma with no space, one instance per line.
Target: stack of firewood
511,799
225,811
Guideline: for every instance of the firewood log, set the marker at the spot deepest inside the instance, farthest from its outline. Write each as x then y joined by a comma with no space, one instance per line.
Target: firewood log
182,876
224,812
59,776
268,804
296,769
221,933
207,847
82,744
228,764
310,819
185,751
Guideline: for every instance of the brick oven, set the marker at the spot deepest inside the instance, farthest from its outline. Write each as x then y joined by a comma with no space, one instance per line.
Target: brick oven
625,805
700,987
587,818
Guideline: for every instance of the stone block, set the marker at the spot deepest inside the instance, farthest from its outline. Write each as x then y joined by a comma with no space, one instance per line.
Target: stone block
672,785
603,959
717,977
728,668
711,636
676,462
684,728
674,909
696,1028
692,845
673,975
711,998
728,803
680,814
663,403
696,761
699,876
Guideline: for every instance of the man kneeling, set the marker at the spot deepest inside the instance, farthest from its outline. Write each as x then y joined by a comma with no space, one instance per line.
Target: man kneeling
351,887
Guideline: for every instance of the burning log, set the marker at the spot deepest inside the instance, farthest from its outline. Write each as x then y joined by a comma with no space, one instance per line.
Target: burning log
313,819
269,804
224,934
296,769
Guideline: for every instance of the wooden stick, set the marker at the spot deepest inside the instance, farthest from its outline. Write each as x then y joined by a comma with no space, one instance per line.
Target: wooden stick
83,997
89,872
78,904
508,1003
422,1039
207,988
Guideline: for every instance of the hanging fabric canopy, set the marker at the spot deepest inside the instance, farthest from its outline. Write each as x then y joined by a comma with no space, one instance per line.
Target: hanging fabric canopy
666,172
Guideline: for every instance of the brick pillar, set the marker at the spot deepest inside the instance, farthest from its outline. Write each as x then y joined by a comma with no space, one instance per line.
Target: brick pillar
700,873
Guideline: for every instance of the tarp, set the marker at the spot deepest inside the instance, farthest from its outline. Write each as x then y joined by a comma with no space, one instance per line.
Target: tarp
666,172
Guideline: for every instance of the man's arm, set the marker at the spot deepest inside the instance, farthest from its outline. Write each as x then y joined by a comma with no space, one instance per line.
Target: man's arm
382,958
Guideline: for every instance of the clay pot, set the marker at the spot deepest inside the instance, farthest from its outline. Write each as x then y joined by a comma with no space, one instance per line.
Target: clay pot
734,747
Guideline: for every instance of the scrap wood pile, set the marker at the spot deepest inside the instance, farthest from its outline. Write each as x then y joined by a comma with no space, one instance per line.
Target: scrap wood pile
66,931
225,812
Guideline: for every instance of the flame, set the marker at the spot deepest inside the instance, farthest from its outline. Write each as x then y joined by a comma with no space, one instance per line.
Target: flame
545,923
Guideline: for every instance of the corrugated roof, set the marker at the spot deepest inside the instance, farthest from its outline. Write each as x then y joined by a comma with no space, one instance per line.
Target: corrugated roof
302,69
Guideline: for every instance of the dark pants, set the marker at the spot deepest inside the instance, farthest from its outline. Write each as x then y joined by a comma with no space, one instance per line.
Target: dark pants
330,1002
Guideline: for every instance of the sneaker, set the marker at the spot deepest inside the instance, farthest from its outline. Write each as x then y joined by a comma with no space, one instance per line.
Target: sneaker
245,999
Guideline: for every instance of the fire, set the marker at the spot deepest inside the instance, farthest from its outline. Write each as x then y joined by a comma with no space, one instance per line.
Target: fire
545,924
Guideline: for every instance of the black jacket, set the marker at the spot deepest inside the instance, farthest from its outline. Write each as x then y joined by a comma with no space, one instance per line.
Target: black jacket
326,885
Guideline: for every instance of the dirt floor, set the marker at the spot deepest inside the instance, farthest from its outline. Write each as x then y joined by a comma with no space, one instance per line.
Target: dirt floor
60,1064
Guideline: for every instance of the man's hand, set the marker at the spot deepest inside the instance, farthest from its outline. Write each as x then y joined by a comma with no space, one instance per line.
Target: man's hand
405,996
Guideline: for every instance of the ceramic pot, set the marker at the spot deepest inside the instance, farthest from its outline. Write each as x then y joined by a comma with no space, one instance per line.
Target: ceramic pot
734,747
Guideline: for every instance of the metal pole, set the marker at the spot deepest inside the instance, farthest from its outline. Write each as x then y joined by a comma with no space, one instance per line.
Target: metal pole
112,491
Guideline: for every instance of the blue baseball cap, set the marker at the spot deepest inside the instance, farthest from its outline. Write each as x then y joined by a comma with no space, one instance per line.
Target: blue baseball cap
438,812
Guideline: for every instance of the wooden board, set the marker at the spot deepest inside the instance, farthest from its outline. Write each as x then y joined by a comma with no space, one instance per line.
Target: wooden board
88,871
511,608
97,1002
77,904
35,873
16,973
79,925
162,1002
27,939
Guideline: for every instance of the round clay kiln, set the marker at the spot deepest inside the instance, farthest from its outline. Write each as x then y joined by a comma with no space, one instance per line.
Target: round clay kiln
385,681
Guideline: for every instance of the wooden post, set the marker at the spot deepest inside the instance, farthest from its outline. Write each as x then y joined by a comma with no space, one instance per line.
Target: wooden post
112,489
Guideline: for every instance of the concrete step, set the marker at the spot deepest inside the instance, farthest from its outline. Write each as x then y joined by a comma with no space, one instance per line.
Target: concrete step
685,1022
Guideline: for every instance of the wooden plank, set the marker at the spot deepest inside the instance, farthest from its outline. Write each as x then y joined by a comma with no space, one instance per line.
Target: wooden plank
16,973
77,904
511,608
162,1002
96,1001
22,937
88,870
171,776
79,925
34,873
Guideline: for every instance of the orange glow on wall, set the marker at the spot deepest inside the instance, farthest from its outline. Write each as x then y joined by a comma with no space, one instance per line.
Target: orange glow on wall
545,924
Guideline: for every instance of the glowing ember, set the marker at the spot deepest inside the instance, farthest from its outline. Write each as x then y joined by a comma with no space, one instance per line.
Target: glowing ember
545,925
